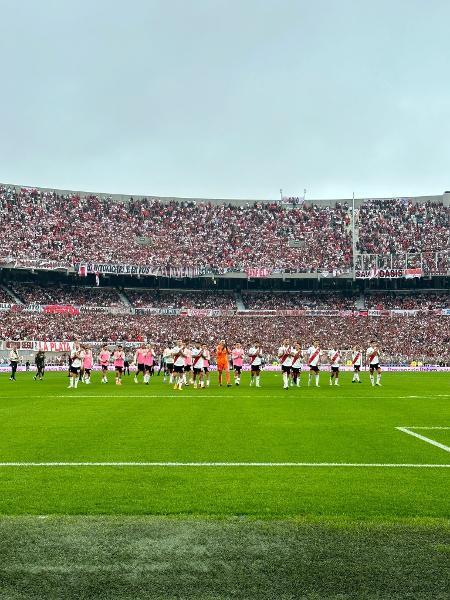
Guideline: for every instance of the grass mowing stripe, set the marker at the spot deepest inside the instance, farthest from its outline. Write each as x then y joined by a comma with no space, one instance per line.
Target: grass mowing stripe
225,464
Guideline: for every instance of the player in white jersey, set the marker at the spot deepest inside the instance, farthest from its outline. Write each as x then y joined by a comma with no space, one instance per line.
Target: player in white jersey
179,355
285,353
206,363
168,364
373,358
357,357
197,365
296,364
255,356
76,360
313,357
335,359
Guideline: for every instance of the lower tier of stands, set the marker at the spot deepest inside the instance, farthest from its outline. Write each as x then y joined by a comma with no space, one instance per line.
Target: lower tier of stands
419,337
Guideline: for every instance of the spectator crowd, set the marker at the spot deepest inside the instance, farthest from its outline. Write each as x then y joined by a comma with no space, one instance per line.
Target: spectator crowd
419,337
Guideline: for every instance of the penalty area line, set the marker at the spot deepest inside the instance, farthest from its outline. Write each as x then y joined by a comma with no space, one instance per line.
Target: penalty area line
424,438
227,464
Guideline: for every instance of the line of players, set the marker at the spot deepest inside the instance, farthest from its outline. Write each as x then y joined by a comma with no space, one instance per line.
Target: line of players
184,365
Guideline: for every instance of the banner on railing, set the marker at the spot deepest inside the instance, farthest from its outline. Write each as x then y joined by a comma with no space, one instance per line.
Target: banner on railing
388,273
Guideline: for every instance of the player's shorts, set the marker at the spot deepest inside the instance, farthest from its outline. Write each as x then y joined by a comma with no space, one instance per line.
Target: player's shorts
286,369
118,369
335,369
314,368
255,368
87,371
295,370
374,367
178,368
104,367
141,367
169,367
74,370
356,367
237,368
197,370
148,368
187,368
206,369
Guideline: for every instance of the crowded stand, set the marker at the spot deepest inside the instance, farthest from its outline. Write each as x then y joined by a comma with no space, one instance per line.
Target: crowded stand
298,300
408,301
397,226
30,293
422,337
180,299
73,229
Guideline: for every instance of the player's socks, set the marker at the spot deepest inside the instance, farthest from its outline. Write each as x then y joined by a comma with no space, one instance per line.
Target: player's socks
309,378
378,379
371,380
285,380
317,380
336,382
257,381
207,383
298,382
331,382
171,379
76,380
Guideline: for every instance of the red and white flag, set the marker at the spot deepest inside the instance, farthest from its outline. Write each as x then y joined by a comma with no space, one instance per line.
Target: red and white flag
82,270
256,272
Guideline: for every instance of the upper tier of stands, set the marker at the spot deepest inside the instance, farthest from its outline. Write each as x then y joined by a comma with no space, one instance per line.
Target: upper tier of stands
72,228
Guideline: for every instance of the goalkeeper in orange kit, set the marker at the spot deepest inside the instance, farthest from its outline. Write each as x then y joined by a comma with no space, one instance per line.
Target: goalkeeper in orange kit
222,353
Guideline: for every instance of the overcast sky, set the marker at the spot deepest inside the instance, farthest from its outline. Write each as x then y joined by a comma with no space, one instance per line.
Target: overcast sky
237,98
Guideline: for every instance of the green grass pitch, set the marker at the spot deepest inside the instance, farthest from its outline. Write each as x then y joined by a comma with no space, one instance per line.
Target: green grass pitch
313,528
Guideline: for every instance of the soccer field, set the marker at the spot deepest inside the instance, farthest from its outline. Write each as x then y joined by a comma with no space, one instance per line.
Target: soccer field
336,492
139,449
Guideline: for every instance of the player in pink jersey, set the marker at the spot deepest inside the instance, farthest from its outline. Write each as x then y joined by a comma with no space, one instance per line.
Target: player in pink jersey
88,363
119,360
148,364
139,361
237,356
104,358
188,364
206,362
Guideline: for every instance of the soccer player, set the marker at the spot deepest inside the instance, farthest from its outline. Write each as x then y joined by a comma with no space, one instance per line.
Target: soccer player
76,360
119,359
356,364
237,356
139,361
285,352
373,358
188,365
148,364
222,353
178,354
39,360
296,364
197,365
335,357
168,364
104,358
88,363
255,355
206,361
313,354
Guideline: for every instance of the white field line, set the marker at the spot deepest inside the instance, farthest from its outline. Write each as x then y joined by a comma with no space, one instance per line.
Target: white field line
226,464
202,395
424,438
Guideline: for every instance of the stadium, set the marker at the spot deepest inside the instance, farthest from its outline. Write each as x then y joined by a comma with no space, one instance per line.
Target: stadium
242,451
224,300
